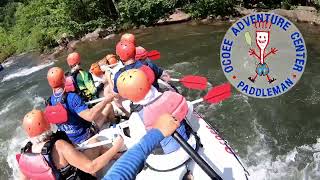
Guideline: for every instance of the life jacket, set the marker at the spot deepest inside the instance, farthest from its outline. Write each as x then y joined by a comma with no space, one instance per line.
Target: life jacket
69,84
39,166
56,114
82,83
169,102
72,124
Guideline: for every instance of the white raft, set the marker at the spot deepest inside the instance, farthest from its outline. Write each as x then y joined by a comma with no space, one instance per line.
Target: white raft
214,150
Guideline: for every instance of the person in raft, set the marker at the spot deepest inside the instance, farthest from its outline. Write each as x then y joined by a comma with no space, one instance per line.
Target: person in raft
126,51
134,85
98,78
110,65
71,114
82,80
141,54
52,156
132,161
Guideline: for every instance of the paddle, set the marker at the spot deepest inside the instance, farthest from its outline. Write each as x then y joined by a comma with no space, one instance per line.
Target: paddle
189,81
193,82
215,95
153,55
195,156
93,145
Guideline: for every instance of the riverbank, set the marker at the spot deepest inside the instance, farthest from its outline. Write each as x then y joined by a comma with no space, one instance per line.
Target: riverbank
305,14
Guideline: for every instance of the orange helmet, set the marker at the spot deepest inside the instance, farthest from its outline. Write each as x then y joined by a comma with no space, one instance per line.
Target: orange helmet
125,50
95,69
133,84
34,123
111,59
73,59
128,37
141,53
55,77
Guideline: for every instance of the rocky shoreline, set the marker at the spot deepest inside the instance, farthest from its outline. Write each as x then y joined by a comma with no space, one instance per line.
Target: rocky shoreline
305,14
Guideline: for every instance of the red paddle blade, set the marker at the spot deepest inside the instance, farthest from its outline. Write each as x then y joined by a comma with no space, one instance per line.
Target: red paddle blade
194,82
153,55
218,93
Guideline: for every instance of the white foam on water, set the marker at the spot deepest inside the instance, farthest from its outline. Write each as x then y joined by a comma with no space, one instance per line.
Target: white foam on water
26,71
314,98
15,145
8,63
301,163
19,137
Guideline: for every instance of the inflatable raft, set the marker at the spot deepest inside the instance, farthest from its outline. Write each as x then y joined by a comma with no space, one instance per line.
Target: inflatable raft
204,139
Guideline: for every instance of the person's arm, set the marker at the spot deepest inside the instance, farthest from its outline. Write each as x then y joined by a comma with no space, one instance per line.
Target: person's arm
109,80
165,76
115,88
133,160
91,114
79,160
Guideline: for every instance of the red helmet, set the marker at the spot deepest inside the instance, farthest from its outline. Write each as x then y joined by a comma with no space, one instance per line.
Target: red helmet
133,84
125,50
141,53
129,38
34,123
73,59
55,77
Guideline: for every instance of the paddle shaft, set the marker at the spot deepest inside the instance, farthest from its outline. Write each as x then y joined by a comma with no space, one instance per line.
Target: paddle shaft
93,145
95,100
196,157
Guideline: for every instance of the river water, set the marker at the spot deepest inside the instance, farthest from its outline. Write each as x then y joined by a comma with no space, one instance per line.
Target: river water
276,138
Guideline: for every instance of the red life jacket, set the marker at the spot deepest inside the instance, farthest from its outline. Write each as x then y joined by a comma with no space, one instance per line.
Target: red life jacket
56,114
35,167
38,166
169,102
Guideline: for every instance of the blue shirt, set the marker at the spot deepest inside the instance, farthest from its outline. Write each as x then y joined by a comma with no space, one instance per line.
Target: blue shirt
132,162
169,144
136,65
77,129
